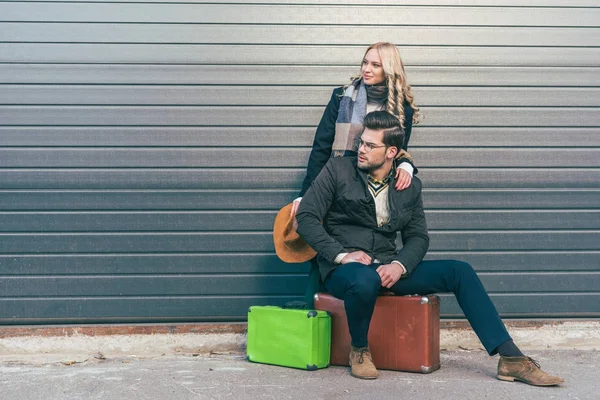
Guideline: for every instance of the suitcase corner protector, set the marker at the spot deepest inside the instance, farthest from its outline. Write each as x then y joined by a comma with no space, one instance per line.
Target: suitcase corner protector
429,369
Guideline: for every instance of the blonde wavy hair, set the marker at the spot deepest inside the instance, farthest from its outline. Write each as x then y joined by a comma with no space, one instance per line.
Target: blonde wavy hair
396,81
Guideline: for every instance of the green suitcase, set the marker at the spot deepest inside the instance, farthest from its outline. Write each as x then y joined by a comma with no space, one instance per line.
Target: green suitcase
289,337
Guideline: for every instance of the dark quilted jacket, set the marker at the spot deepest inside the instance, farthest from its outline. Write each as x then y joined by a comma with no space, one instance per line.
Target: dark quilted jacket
340,198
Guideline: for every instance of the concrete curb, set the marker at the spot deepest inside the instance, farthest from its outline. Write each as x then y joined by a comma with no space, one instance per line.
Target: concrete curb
86,341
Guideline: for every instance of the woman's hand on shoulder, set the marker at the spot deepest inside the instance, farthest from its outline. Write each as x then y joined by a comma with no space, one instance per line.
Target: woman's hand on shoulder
403,179
295,205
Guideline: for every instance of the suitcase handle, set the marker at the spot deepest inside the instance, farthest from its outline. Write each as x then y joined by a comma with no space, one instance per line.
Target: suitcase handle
295,305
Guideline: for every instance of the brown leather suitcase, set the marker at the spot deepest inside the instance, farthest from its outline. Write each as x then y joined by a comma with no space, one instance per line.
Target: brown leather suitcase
404,334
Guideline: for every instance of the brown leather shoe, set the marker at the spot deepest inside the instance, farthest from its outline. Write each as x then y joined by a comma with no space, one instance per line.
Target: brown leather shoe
362,363
525,369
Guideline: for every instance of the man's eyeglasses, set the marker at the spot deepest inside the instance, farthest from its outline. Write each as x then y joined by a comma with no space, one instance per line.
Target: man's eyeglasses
368,146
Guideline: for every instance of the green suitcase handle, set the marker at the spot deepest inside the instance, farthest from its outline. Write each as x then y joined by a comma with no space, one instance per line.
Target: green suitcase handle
295,305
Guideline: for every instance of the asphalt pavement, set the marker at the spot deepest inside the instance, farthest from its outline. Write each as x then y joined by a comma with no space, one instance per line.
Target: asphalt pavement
463,375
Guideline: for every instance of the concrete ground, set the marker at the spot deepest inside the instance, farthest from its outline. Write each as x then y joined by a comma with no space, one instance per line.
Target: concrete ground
463,375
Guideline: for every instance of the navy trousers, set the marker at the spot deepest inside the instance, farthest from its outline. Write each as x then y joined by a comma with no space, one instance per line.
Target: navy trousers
358,285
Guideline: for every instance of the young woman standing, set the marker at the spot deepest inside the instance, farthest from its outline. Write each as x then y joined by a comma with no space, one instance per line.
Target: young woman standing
382,85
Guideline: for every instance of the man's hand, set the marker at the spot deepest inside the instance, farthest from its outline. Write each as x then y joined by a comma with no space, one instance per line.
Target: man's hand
356,256
403,179
389,274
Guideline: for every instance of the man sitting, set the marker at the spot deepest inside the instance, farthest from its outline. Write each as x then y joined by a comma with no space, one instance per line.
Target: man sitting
350,216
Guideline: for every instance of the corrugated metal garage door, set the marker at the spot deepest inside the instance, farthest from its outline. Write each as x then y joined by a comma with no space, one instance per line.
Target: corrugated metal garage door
146,146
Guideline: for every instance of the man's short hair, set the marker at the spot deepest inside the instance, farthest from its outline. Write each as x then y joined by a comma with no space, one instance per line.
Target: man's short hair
393,134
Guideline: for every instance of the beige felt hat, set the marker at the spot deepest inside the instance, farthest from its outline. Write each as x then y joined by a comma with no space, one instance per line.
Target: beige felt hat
289,246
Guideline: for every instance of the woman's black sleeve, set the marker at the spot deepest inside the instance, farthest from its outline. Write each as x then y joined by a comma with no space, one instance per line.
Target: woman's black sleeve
321,149
408,122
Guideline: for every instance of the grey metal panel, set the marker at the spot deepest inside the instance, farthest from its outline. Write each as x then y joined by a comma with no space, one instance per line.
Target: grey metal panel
153,199
510,199
508,149
280,157
511,97
118,242
514,137
149,264
534,305
154,158
332,75
234,308
215,136
231,242
298,34
226,221
298,14
166,136
504,76
302,55
280,95
261,199
47,310
152,221
477,3
244,285
514,240
159,116
509,220
163,178
268,263
518,178
505,116
151,285
544,282
523,261
276,116
502,157
234,178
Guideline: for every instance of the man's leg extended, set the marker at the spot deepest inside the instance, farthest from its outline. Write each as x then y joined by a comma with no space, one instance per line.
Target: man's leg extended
443,276
451,276
358,285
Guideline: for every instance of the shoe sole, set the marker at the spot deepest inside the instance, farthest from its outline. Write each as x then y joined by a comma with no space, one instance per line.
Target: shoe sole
512,379
363,377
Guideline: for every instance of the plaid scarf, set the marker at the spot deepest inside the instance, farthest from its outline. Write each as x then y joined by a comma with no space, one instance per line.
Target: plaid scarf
351,113
348,126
